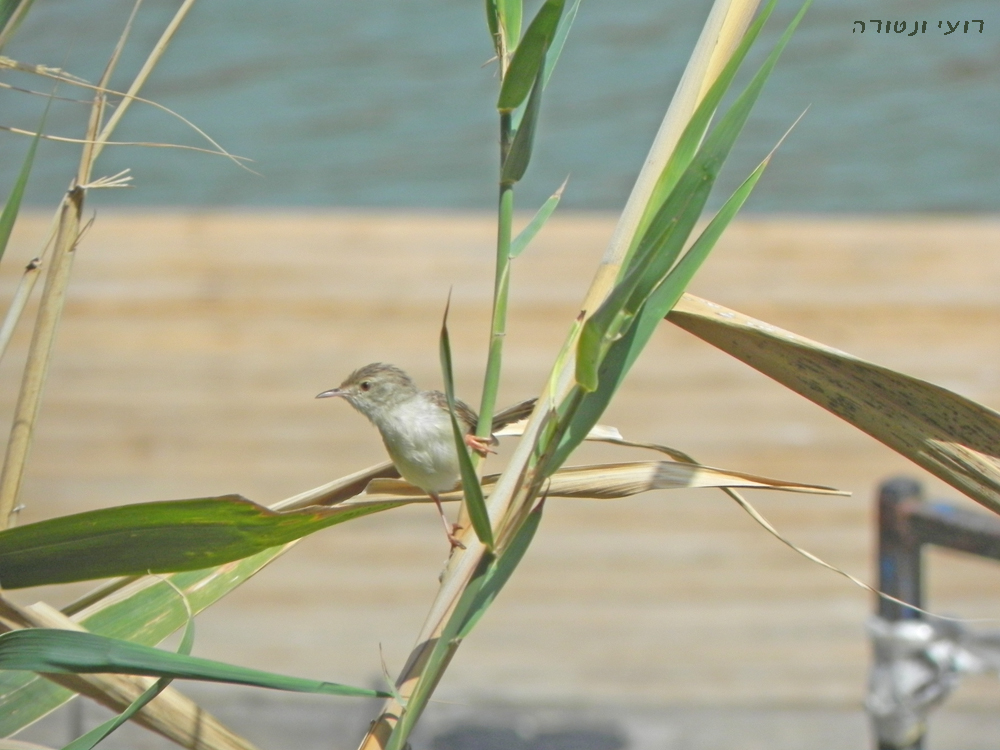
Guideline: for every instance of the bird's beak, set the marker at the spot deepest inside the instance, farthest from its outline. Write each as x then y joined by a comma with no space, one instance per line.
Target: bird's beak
332,393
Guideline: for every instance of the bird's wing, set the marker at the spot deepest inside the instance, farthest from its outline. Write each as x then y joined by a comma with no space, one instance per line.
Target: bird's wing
466,416
469,418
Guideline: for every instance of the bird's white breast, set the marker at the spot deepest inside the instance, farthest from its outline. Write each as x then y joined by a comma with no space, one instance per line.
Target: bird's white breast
418,436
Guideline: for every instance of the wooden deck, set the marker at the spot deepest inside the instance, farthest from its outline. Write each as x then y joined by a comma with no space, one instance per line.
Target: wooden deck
193,345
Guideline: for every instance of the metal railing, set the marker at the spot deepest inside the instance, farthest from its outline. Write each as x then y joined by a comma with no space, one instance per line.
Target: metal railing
918,659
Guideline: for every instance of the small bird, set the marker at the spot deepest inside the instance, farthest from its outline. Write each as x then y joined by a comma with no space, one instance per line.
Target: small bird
416,427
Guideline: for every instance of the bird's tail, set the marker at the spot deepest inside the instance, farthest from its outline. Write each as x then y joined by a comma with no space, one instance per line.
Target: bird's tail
514,413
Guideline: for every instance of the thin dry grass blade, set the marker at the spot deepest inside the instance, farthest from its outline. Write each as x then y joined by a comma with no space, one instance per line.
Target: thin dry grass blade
601,432
952,437
751,511
758,518
145,144
58,75
32,92
19,302
154,57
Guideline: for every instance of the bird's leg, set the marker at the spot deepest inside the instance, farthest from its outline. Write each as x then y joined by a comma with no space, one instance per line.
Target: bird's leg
479,445
449,530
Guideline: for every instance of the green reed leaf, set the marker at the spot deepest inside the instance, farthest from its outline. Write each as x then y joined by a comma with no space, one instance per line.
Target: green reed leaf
559,40
526,235
623,352
669,228
516,163
444,646
145,610
471,488
92,738
156,537
500,571
691,138
13,204
510,12
493,23
75,652
529,57
504,20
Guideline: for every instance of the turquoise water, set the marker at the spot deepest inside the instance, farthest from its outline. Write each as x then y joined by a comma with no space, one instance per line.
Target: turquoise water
386,103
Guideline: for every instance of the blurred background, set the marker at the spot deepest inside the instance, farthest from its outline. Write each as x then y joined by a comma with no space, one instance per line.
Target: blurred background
389,104
209,305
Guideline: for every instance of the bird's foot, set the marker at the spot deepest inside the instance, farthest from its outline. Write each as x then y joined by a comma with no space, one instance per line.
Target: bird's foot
479,445
449,529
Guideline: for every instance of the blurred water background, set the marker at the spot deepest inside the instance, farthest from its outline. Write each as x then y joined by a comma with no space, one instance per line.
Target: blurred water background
388,103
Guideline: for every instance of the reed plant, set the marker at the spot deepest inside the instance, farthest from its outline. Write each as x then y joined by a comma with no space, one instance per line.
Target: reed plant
171,560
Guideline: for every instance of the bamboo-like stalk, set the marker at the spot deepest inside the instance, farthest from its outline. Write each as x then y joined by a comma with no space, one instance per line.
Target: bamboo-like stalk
39,354
49,312
723,29
57,278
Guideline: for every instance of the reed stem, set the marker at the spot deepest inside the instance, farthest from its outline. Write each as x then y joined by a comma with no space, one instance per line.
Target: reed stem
39,355
501,286
498,326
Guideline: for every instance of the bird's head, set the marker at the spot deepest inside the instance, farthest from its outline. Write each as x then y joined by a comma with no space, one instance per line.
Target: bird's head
373,388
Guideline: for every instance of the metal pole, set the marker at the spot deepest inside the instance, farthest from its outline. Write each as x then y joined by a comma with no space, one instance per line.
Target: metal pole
899,559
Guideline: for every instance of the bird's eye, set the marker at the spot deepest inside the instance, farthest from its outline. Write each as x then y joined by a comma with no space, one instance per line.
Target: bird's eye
365,385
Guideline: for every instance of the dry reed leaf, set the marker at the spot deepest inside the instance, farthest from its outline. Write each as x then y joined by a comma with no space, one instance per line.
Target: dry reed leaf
759,519
617,480
950,436
607,481
338,490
